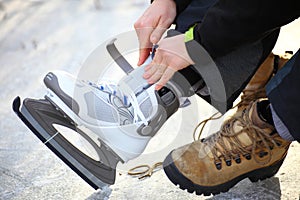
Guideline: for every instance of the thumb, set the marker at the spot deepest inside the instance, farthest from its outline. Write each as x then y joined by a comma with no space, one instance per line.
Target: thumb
167,75
157,34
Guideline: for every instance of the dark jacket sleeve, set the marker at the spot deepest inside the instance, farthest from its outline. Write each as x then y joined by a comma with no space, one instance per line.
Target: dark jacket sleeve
181,5
231,23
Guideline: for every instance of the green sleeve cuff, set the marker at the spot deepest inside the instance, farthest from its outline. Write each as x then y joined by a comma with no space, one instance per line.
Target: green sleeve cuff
189,35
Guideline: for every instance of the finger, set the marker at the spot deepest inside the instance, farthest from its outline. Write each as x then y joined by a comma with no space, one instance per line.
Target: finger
157,34
144,54
160,67
164,22
158,74
154,63
167,75
151,69
143,29
148,67
144,43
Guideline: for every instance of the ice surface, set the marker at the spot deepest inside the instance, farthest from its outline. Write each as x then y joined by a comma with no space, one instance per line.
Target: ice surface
40,36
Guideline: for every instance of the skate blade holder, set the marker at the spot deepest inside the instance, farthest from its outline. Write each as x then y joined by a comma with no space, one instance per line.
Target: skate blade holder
40,116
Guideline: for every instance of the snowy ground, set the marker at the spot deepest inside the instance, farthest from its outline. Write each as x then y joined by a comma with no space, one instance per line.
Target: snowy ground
38,36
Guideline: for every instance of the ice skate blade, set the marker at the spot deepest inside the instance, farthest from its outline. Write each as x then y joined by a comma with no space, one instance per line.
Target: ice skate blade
40,115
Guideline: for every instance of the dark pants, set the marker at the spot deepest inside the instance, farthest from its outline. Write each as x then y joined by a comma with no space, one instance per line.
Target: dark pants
283,91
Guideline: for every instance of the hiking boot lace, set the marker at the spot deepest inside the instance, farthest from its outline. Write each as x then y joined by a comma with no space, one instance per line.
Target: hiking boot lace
247,97
226,145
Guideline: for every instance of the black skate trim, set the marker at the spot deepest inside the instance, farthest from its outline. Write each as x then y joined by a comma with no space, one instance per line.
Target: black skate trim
40,115
177,178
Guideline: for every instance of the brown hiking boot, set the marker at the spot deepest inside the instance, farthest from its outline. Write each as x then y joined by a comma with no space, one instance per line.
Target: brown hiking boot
245,147
255,89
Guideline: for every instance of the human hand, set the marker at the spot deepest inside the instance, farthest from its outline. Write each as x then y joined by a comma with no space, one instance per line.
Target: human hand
152,24
170,56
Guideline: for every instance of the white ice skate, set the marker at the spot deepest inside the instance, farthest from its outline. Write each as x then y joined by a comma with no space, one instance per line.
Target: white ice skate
117,120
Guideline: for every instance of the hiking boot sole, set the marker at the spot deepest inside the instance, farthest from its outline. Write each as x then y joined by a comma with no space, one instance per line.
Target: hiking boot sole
177,178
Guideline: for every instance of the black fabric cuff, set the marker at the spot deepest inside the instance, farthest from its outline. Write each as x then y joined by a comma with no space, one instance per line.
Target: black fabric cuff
181,5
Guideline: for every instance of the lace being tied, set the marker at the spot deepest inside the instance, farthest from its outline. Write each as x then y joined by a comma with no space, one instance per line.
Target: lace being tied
226,145
247,97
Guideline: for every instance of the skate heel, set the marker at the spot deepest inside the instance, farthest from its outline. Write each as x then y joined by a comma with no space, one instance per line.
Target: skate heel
264,173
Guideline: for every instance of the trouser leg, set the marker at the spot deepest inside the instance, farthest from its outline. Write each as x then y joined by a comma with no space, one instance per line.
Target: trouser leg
283,91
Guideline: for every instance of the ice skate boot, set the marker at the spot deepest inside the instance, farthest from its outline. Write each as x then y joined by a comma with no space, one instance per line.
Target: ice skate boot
117,120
